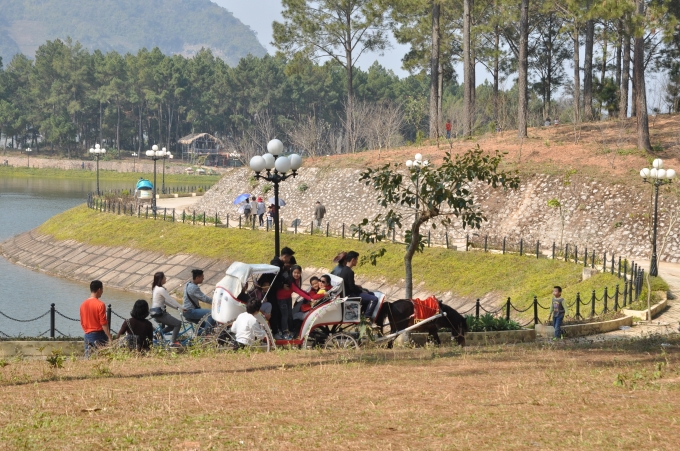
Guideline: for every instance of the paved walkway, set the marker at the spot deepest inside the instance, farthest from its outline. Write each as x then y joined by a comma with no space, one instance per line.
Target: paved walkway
664,324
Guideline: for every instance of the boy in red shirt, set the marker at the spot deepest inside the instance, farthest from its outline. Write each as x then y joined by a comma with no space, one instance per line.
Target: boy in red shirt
93,318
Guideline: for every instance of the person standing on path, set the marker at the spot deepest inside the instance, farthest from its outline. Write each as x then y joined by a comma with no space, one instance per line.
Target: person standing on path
448,129
253,208
93,319
558,310
193,296
319,213
261,209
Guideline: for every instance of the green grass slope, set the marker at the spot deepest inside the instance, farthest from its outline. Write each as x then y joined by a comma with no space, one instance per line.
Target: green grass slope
466,274
174,26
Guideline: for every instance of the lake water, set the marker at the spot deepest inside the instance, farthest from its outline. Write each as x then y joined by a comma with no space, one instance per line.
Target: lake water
25,203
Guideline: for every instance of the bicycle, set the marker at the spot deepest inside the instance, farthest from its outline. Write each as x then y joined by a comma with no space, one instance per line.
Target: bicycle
189,332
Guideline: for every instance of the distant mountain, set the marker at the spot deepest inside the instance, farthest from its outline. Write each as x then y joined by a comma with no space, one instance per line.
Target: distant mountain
175,26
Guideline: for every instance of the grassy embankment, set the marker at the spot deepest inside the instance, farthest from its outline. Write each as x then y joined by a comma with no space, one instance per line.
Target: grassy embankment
466,274
444,398
104,175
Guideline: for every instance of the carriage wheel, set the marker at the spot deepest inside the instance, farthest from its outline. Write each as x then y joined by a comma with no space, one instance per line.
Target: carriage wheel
341,341
208,330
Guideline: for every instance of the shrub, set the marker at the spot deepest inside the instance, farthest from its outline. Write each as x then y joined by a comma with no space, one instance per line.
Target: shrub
490,323
302,187
266,188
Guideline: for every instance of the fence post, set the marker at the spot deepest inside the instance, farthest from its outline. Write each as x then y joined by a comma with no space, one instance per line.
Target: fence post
616,298
477,309
394,233
204,215
535,310
108,314
585,258
566,252
52,318
239,221
625,269
578,305
173,215
625,291
139,211
604,262
124,209
147,212
613,264
507,310
553,250
253,225
281,226
311,228
592,305
193,219
467,241
328,230
446,234
228,222
576,254
216,218
592,262
521,246
155,211
619,269
119,208
604,298
538,244
486,242
165,213
343,230
503,245
296,228
429,236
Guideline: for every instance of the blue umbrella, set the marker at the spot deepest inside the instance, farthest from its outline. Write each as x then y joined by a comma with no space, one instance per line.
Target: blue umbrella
241,198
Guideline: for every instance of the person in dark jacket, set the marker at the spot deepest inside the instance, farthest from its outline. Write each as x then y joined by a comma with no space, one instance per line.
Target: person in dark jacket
282,278
137,325
368,300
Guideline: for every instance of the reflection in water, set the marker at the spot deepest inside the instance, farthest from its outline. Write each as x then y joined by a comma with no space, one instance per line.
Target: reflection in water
25,203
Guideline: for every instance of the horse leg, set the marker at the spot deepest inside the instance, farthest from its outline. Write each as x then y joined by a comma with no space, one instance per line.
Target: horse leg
434,333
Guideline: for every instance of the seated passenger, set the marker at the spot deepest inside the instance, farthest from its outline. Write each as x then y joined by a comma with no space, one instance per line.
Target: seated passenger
315,285
138,327
246,328
260,293
326,284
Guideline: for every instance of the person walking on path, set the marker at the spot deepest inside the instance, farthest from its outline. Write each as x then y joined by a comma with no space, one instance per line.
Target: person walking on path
193,296
448,129
161,298
253,208
319,213
558,310
93,319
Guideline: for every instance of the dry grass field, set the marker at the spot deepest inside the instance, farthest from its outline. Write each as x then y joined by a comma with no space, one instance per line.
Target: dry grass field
619,395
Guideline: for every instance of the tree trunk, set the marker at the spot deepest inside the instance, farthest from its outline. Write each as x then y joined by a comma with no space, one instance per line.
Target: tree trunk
625,78
588,72
440,115
434,73
118,131
408,258
496,72
618,54
641,97
467,69
633,97
604,56
523,69
577,76
141,135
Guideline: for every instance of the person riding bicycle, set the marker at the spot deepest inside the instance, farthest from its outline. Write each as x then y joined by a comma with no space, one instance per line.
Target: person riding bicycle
193,296
161,298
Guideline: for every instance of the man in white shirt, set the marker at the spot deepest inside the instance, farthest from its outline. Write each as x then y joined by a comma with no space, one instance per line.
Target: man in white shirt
246,328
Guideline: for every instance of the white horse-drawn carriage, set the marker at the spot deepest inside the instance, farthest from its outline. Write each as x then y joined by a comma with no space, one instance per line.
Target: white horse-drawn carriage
332,322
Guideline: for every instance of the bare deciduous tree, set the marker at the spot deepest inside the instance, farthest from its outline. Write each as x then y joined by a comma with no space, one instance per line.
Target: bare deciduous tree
310,135
383,127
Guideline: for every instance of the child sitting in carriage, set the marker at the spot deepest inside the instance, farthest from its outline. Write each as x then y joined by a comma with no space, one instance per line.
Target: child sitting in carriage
246,328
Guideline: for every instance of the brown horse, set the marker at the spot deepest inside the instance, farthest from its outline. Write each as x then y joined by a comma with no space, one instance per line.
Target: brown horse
400,316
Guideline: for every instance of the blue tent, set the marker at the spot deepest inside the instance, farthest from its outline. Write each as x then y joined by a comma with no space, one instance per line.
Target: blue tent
144,184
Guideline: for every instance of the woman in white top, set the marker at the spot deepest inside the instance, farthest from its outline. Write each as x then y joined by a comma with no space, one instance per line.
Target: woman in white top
160,299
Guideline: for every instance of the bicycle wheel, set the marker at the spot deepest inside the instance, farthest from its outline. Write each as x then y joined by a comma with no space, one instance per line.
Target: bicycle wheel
206,329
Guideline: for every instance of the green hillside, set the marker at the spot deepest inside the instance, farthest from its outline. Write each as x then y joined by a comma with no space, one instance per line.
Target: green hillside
175,26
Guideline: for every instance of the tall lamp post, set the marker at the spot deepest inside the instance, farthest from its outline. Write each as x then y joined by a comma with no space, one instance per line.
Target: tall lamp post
656,176
415,165
134,161
166,154
155,155
277,167
97,151
28,156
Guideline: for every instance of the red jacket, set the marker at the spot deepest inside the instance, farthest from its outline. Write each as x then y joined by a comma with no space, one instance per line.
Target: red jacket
283,294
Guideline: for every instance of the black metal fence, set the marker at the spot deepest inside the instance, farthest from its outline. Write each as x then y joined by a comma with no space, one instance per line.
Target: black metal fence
54,316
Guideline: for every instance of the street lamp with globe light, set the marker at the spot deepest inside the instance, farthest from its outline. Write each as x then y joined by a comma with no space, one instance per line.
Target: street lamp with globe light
28,155
97,151
134,161
155,155
414,166
166,154
278,168
656,176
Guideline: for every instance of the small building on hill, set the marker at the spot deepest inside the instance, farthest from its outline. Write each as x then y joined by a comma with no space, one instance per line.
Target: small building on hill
205,149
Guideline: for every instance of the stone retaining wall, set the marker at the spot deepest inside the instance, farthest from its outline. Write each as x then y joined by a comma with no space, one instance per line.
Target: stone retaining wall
582,330
599,215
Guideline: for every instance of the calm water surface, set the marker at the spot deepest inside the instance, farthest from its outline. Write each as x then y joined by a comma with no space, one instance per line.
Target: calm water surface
25,203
